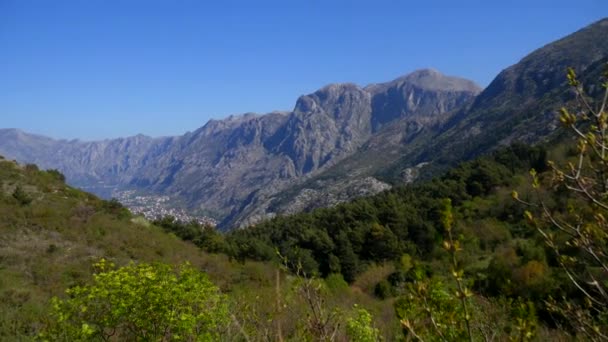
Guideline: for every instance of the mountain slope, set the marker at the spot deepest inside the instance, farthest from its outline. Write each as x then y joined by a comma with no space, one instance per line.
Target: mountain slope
522,101
51,234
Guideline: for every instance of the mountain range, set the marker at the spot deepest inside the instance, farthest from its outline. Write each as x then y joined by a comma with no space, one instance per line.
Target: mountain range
338,143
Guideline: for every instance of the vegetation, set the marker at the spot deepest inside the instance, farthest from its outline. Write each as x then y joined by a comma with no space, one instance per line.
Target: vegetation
576,230
48,244
140,302
387,247
557,278
453,258
403,221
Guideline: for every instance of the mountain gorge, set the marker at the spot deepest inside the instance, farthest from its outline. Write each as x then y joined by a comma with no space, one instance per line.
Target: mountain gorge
340,142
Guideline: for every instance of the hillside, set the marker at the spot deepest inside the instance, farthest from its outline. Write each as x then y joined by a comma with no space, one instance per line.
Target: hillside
51,234
383,227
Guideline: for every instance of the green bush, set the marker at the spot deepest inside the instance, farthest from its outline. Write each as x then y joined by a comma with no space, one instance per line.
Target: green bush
57,175
336,284
360,328
140,302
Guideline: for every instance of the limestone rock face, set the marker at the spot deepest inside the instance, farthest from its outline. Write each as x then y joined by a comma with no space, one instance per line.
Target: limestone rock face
423,94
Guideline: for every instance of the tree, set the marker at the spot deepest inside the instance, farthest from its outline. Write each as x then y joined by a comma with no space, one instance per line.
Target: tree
576,229
140,302
433,310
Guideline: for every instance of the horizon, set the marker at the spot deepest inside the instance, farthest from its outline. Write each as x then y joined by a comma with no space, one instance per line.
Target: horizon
109,81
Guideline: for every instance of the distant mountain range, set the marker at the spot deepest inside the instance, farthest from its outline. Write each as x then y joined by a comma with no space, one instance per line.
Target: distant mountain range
338,143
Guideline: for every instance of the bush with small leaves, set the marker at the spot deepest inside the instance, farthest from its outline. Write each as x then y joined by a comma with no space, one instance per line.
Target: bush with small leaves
383,289
56,174
360,329
140,302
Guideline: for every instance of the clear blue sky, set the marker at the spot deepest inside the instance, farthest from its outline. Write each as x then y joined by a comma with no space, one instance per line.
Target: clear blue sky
94,69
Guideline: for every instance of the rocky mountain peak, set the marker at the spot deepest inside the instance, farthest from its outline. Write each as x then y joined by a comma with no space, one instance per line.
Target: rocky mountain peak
422,95
428,79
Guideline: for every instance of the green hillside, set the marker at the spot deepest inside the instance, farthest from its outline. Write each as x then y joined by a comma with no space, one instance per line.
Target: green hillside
51,235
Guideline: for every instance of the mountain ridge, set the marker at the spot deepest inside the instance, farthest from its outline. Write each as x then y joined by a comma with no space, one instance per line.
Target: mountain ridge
338,142
221,166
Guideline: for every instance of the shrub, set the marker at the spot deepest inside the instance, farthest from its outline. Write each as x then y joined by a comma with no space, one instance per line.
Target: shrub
336,283
57,175
21,196
140,302
360,328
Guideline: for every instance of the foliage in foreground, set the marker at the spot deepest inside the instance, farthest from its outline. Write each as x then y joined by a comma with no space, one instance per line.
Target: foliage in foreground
576,231
143,302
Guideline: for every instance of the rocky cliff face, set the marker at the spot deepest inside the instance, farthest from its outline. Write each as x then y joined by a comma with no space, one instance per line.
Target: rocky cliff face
233,168
325,126
422,95
236,167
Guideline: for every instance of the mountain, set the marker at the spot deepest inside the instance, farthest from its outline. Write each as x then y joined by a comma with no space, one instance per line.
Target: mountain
338,143
406,107
519,105
98,166
230,168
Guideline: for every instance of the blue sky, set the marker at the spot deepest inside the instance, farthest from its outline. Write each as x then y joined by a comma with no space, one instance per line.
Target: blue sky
94,69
